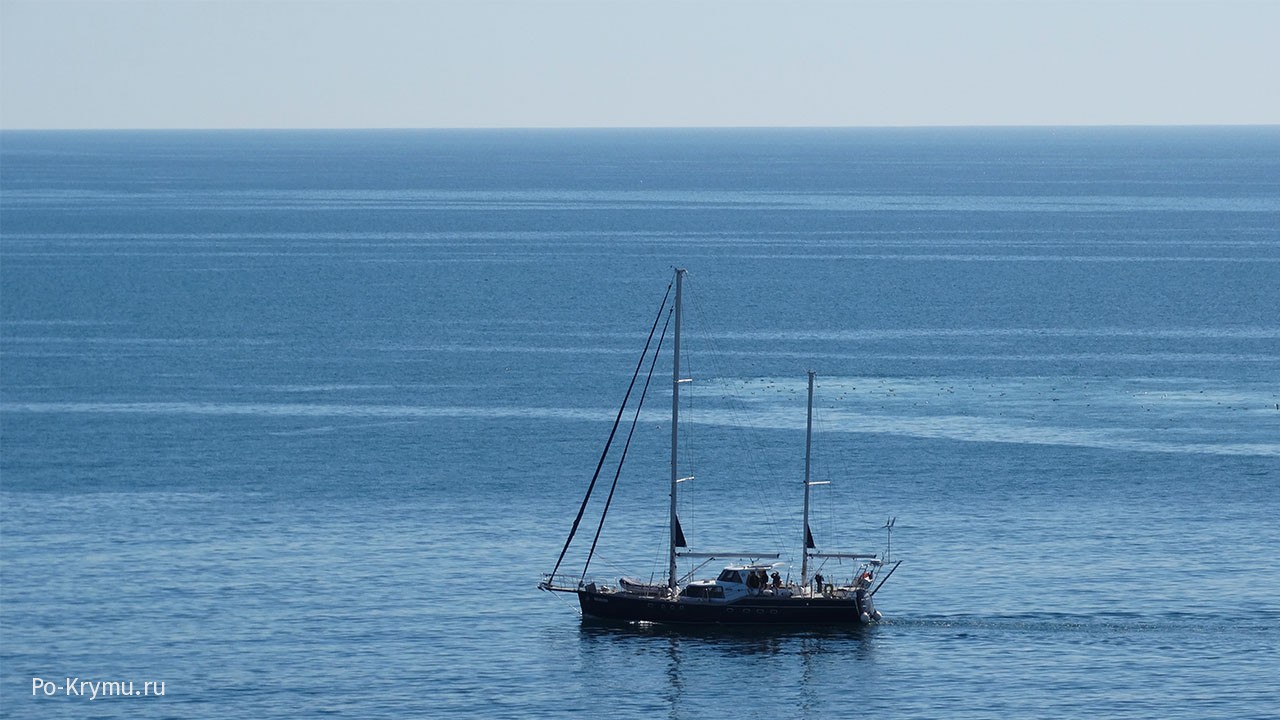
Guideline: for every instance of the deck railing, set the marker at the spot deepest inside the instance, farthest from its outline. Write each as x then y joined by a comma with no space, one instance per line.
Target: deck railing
569,583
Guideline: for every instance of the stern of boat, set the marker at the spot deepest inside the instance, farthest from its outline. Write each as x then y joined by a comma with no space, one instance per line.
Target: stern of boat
867,612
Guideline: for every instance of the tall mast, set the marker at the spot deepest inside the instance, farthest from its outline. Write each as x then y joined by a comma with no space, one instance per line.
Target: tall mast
808,441
675,433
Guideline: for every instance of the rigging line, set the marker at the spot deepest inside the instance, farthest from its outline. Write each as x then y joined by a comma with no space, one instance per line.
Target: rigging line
835,463
689,434
644,392
639,364
750,439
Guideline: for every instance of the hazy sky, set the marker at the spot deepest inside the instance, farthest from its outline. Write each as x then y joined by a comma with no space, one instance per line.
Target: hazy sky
538,63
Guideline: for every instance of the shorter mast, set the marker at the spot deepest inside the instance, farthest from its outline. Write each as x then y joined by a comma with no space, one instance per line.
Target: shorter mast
808,443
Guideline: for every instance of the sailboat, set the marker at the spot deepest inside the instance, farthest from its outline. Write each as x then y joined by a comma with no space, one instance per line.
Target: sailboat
749,589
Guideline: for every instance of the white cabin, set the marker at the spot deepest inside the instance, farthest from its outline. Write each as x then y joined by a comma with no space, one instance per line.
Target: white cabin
737,581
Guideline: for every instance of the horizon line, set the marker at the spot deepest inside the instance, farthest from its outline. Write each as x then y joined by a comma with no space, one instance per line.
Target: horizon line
522,128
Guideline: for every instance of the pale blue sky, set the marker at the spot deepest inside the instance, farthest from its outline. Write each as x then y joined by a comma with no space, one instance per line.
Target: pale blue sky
608,63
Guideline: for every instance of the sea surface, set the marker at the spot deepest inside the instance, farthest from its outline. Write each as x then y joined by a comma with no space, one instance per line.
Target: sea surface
294,422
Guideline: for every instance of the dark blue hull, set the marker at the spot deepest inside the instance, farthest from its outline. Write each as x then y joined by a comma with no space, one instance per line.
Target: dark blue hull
759,610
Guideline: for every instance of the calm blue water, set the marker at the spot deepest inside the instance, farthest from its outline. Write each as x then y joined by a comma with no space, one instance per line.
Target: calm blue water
294,422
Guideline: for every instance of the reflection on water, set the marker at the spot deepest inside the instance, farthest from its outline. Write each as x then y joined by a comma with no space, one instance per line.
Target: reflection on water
786,663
